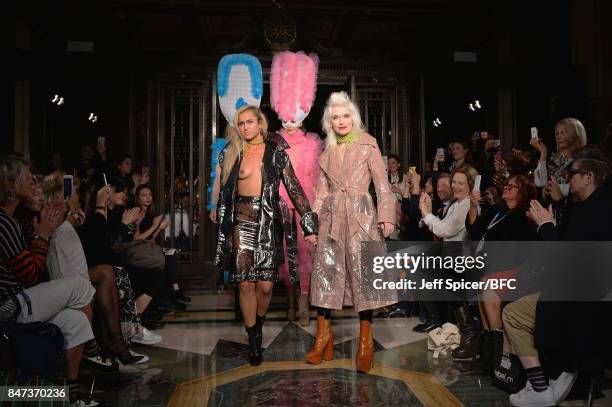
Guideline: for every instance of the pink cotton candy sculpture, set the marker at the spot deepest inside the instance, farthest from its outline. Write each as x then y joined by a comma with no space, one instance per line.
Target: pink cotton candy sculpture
293,84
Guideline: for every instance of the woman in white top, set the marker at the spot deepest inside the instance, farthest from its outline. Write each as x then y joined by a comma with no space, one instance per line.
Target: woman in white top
570,135
452,226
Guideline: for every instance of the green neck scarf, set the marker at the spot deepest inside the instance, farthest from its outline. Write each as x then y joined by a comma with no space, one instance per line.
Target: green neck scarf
350,138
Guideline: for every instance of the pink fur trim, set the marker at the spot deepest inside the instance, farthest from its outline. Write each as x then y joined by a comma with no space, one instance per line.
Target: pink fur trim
293,83
304,152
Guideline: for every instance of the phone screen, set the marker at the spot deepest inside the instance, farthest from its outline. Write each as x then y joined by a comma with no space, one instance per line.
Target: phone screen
67,186
477,182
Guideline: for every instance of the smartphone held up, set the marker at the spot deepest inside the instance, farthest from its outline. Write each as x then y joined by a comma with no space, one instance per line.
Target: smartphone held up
68,185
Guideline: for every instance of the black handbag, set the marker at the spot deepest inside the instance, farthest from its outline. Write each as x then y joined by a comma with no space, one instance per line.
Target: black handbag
508,372
36,348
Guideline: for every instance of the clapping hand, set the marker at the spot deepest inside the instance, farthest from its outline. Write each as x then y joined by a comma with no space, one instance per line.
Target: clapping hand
50,218
130,216
157,220
539,215
164,224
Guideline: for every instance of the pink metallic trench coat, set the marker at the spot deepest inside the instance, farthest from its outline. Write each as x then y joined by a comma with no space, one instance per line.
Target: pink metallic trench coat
346,218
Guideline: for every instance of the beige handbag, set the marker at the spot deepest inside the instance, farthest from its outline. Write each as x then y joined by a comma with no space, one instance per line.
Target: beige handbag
442,341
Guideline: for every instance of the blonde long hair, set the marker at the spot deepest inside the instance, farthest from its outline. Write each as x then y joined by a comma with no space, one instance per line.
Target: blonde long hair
52,185
237,142
339,99
575,131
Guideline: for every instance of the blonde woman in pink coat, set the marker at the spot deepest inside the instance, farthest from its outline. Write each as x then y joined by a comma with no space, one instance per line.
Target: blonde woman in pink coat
347,217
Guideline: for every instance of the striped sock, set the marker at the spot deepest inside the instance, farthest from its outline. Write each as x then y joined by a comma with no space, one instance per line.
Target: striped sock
537,378
73,390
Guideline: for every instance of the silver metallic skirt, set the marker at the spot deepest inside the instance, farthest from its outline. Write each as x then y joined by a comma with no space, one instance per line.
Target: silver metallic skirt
246,232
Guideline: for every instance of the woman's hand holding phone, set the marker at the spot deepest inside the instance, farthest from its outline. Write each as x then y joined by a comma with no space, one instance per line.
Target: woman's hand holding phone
541,147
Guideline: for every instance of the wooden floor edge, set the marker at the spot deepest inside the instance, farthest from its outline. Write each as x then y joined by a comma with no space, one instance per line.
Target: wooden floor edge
424,386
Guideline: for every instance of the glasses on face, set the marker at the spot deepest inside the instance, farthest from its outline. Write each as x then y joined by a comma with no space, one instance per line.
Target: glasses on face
574,171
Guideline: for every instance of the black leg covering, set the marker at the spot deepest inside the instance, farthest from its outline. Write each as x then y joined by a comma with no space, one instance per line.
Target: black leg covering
324,312
365,315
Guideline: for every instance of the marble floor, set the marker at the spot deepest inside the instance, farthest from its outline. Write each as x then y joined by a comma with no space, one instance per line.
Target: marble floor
202,361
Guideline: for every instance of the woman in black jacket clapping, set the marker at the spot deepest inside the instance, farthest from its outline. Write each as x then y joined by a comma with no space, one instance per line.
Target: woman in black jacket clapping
506,221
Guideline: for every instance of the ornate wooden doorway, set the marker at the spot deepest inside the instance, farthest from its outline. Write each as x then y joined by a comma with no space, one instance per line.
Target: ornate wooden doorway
183,117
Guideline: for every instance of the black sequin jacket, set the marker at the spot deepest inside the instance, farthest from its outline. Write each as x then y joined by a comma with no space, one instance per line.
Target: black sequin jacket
276,167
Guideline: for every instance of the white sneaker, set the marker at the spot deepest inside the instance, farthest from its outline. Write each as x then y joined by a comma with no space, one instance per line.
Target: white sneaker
105,363
562,385
146,337
528,397
144,359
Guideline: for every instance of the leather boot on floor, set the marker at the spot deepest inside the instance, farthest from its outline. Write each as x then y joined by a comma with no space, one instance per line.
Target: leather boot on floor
468,347
323,348
485,358
259,322
365,352
255,353
497,347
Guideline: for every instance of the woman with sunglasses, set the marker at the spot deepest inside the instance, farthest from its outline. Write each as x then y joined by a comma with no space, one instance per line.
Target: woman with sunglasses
505,221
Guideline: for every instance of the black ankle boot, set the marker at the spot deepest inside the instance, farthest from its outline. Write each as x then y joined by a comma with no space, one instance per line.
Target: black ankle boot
485,359
497,347
470,336
259,321
255,354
